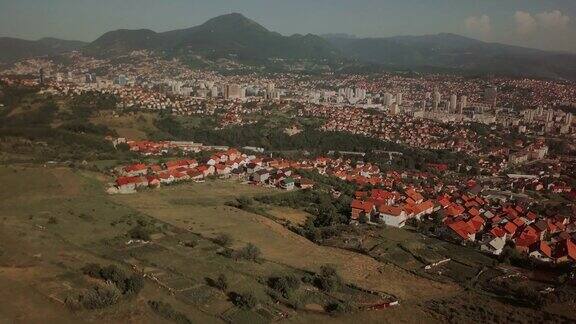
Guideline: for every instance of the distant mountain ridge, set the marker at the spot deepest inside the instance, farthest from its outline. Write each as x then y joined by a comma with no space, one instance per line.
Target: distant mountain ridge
14,49
223,36
454,52
235,36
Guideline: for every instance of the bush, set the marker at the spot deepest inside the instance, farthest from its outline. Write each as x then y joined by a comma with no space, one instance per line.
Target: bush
127,285
92,270
224,240
140,233
133,285
166,311
328,280
245,301
249,252
337,308
284,285
100,297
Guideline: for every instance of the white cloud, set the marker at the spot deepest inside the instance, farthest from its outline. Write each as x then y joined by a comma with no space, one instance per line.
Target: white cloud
553,19
479,25
525,23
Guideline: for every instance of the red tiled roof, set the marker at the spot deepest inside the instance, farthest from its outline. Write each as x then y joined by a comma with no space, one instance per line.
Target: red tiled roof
365,206
444,201
510,228
135,167
462,228
497,232
543,248
390,210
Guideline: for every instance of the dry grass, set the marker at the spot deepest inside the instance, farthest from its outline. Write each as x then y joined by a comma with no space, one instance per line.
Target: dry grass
277,243
134,127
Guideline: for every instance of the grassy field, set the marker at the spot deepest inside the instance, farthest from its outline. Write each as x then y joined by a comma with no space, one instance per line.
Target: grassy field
56,220
201,209
135,127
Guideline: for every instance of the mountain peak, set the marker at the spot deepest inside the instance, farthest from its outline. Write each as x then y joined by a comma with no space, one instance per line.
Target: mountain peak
233,20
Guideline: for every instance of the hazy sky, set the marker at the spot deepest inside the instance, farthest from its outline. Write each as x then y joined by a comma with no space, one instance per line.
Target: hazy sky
547,24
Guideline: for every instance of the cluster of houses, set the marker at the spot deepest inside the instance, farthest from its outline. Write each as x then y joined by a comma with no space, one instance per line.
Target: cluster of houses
152,148
545,183
492,224
468,216
389,207
262,171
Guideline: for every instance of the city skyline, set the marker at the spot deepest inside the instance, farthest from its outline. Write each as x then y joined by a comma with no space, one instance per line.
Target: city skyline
531,23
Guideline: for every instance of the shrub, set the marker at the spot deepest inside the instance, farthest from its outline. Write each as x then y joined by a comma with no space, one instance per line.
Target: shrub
249,252
245,301
285,285
140,233
224,240
328,279
100,297
127,285
92,270
337,308
133,285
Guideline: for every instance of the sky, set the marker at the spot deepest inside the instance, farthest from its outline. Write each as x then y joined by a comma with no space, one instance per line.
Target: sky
544,24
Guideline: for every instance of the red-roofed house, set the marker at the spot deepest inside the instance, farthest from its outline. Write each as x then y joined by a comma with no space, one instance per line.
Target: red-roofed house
415,196
463,230
360,208
510,228
392,215
566,251
135,170
541,251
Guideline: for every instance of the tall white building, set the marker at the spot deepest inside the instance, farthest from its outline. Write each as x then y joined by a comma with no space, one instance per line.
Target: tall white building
463,102
436,99
387,100
394,109
270,87
232,91
399,98
453,102
360,94
214,92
